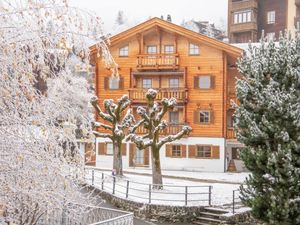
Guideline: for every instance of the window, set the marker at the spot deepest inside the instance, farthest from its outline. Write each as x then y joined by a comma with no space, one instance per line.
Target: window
151,49
173,117
194,49
176,150
169,49
242,17
174,83
123,52
109,149
114,83
204,116
147,83
203,151
204,82
271,17
270,36
139,157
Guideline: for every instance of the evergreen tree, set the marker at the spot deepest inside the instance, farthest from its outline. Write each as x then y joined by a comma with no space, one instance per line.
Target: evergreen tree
268,123
120,18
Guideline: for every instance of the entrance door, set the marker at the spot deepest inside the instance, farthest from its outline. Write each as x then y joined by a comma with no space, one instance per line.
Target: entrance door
138,157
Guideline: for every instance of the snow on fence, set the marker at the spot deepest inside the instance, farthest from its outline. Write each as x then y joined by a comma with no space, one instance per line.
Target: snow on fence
94,216
142,192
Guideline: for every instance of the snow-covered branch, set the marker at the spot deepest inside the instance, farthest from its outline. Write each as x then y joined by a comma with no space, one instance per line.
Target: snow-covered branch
185,131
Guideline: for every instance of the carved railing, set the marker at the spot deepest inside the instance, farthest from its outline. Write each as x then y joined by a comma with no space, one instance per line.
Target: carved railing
139,94
158,61
245,4
231,133
170,129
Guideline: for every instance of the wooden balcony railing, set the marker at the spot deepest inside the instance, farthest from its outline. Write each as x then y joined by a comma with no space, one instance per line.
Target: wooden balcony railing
234,28
158,61
231,133
242,5
139,95
170,129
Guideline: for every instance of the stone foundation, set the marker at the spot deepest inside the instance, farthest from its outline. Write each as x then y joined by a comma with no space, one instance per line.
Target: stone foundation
244,218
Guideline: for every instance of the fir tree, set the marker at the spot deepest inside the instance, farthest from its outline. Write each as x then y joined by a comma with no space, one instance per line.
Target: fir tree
268,123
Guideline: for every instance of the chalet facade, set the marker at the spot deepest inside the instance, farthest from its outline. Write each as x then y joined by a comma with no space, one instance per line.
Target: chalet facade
198,71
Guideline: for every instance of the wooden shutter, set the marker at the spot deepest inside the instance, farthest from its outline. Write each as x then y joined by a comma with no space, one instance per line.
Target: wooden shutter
183,151
212,82
121,83
146,156
192,151
123,148
131,154
196,82
101,148
215,152
211,117
106,83
196,116
168,150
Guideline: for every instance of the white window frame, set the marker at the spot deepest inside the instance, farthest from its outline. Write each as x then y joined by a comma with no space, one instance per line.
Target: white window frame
172,83
109,149
150,49
176,150
169,49
146,84
242,17
194,49
112,85
205,114
200,80
170,117
124,51
206,149
271,17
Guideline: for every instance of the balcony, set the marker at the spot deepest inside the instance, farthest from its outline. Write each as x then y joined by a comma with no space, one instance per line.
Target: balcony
297,2
231,133
157,61
243,27
171,129
242,5
139,95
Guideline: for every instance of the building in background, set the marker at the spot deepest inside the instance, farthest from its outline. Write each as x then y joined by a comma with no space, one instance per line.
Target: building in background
248,20
206,28
198,71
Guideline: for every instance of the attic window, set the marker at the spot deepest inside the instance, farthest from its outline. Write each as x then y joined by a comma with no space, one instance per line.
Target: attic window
123,52
194,49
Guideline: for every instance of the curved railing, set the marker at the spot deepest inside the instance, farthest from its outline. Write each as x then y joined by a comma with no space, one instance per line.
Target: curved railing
147,193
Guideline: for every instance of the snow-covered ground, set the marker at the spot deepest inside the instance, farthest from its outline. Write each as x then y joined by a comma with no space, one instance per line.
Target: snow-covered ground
172,194
238,178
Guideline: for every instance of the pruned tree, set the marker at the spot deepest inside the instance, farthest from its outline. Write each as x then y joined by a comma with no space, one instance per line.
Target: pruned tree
152,120
41,169
118,122
267,122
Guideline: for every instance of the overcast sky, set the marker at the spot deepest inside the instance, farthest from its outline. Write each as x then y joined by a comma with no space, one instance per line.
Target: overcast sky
137,11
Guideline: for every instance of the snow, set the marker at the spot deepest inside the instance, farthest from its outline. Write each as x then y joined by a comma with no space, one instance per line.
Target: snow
173,192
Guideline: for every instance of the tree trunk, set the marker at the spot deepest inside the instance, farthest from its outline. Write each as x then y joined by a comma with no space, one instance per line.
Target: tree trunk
156,170
117,161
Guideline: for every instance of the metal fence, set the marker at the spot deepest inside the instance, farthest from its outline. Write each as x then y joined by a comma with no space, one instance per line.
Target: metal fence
235,199
148,193
93,216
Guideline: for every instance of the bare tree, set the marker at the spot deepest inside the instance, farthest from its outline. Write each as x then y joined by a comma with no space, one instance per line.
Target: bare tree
114,115
152,121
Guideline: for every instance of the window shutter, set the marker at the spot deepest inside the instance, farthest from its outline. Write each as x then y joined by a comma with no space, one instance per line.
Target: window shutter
131,154
212,117
106,83
215,152
168,150
121,83
123,148
183,151
212,82
146,156
196,82
196,116
101,148
192,151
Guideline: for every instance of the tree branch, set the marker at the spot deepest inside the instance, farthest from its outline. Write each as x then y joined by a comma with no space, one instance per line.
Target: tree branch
105,126
105,116
186,130
97,134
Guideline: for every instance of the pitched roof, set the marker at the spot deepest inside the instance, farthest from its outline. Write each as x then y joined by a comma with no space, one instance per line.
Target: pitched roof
232,50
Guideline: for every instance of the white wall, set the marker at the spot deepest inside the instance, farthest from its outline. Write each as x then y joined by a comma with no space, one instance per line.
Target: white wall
168,163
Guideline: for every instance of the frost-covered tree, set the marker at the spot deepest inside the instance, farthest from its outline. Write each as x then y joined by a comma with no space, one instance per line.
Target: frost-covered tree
152,120
41,170
116,122
268,124
120,20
